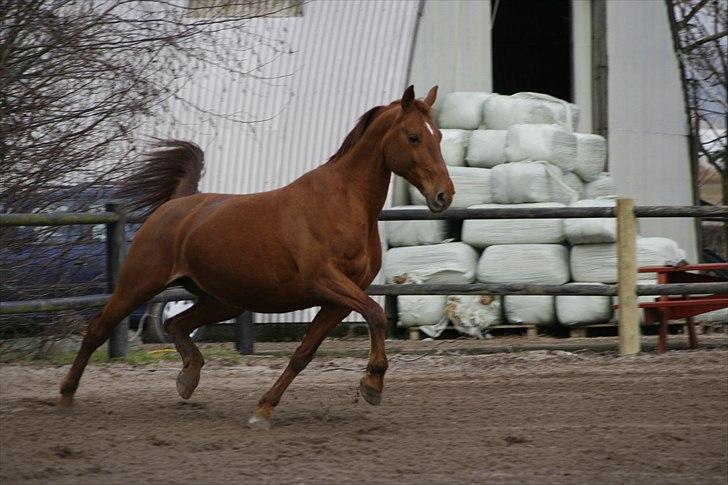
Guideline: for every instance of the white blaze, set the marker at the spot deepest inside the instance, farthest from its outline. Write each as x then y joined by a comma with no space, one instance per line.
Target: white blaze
429,128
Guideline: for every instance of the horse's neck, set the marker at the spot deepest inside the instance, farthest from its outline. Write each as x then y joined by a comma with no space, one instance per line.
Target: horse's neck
366,176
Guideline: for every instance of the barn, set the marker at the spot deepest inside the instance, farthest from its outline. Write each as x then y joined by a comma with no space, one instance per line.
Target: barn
614,60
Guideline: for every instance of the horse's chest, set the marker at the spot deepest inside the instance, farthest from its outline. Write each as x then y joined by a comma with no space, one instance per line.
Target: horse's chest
359,259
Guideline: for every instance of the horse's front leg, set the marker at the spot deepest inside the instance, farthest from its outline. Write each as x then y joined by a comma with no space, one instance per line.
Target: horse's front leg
341,290
325,321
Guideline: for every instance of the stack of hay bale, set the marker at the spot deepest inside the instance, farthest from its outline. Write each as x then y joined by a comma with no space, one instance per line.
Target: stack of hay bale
513,151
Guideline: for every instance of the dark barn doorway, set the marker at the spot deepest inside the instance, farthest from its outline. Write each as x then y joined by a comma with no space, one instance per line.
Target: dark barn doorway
532,47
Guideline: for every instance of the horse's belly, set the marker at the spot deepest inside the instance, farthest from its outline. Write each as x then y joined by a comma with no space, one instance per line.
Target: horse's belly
257,280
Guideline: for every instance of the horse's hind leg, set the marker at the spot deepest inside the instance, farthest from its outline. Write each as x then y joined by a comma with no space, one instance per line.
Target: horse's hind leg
324,322
122,303
205,311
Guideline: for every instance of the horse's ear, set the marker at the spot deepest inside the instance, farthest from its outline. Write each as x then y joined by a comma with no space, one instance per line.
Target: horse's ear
408,97
431,96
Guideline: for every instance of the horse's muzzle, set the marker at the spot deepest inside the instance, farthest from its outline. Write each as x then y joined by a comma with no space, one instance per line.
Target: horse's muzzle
440,202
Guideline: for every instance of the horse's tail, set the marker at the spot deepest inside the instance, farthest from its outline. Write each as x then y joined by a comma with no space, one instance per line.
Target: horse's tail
172,169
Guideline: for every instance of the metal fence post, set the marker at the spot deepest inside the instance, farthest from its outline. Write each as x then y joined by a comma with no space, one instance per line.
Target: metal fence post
245,334
629,323
115,253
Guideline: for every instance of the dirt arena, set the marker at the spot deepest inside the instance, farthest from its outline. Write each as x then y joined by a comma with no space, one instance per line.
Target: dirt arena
519,417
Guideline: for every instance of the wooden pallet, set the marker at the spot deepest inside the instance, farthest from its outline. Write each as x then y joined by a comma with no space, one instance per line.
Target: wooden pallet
531,331
588,330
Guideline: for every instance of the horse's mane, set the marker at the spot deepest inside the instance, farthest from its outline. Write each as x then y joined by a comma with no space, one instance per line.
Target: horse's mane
355,134
367,119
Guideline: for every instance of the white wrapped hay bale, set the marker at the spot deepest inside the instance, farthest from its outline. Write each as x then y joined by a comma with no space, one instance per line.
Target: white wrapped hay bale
487,148
487,232
501,112
453,146
416,233
591,156
421,310
546,264
461,110
716,316
602,186
474,314
549,143
472,186
574,183
595,263
529,310
592,230
523,182
575,310
439,263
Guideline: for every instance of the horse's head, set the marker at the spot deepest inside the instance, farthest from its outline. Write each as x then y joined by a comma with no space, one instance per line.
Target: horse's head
412,150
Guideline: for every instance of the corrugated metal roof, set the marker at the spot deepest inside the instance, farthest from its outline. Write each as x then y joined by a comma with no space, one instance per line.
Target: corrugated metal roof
346,56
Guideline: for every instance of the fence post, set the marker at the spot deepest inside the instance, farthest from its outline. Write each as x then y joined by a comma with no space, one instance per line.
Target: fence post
245,334
629,325
115,253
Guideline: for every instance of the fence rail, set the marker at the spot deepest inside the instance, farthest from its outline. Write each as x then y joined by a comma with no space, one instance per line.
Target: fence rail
624,211
174,294
713,212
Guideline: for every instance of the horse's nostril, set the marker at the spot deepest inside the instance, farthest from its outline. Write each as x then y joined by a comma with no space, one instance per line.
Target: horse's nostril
440,198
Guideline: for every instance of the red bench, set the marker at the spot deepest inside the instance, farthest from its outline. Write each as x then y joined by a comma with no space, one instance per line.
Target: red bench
666,308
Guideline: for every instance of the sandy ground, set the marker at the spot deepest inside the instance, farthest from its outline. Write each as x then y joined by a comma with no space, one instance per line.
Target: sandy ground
545,416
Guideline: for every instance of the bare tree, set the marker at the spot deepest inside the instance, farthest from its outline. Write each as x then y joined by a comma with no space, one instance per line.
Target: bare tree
77,80
701,44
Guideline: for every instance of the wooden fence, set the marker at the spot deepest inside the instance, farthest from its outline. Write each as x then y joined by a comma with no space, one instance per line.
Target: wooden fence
626,289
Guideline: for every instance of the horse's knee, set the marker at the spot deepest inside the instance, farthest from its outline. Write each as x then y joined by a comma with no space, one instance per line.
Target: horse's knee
375,317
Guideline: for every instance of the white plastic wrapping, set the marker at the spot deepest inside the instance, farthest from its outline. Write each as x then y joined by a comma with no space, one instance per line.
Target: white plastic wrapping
550,143
546,264
472,186
591,156
593,230
500,112
426,312
453,146
474,314
529,310
487,232
522,182
439,263
576,310
461,110
716,316
602,186
416,233
574,182
596,263
487,148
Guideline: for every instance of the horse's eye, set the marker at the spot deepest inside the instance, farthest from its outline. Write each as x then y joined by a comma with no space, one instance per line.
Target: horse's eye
414,138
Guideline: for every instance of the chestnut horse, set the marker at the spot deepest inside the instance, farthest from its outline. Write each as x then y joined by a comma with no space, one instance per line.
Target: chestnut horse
314,242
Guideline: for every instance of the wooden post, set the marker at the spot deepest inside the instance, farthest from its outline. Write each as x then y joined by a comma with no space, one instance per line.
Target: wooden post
599,68
245,334
390,311
115,253
629,324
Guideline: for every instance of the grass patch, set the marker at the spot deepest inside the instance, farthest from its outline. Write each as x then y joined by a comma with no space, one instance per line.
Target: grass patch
139,356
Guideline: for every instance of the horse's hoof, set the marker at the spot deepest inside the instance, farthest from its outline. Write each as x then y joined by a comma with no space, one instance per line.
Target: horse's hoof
186,384
65,403
370,395
259,422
